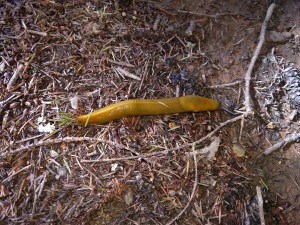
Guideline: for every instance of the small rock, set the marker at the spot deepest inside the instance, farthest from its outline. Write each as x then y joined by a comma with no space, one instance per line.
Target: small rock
96,28
238,150
190,68
292,115
171,193
271,125
74,102
61,172
48,128
172,125
128,197
274,135
2,67
114,166
53,154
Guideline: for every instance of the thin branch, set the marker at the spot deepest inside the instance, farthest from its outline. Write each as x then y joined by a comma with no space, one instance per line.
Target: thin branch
15,76
8,100
248,105
292,138
193,191
126,73
207,15
44,34
15,173
112,159
226,85
120,63
260,205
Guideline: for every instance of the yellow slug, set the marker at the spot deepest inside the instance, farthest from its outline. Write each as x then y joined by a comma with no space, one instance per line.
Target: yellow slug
149,107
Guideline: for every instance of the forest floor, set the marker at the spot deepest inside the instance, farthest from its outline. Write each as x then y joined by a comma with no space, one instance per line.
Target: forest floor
61,59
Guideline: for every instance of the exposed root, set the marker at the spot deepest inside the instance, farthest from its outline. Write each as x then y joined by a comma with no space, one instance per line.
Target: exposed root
292,138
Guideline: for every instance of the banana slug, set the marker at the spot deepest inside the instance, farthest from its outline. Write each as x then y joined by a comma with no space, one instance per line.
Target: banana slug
149,107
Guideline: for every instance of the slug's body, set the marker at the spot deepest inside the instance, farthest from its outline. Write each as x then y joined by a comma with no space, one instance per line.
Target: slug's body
144,107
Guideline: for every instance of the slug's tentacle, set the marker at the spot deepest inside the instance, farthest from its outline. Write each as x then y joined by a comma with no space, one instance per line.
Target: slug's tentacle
150,107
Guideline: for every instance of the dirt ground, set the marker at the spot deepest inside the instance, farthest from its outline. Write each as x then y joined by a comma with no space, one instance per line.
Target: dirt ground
73,57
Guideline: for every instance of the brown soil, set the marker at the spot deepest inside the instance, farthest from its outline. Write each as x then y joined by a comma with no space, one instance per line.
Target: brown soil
72,52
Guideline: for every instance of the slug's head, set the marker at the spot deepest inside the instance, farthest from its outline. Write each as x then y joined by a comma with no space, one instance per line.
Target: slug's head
194,103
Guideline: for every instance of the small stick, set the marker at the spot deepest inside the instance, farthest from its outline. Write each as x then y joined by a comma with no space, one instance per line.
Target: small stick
120,63
193,191
260,205
292,138
29,138
248,105
112,159
8,100
226,85
14,174
27,64
144,75
44,34
15,76
207,15
3,37
127,74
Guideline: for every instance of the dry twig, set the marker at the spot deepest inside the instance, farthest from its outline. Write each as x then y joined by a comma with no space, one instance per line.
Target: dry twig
15,76
126,73
260,205
292,138
226,85
248,106
207,15
44,34
15,173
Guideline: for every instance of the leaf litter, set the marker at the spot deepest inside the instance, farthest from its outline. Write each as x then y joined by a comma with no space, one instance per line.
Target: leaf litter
60,60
